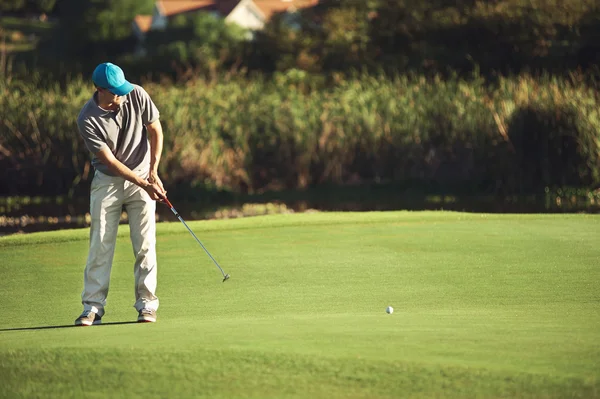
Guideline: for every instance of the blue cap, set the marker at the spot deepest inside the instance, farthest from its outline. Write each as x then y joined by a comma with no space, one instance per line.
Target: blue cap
110,77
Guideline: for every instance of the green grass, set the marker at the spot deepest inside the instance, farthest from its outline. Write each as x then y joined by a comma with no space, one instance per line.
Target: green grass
486,306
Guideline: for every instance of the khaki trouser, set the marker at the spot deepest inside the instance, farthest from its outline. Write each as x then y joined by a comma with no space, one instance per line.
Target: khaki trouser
107,197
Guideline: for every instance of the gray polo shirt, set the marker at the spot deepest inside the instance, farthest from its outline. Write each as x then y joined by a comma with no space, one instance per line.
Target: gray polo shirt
123,131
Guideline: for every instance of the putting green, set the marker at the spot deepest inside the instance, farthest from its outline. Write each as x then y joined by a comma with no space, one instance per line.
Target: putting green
484,306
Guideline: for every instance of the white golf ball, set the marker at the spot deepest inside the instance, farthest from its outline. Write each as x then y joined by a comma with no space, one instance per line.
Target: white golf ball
389,310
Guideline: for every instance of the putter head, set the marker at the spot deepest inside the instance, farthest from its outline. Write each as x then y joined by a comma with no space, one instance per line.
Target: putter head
226,277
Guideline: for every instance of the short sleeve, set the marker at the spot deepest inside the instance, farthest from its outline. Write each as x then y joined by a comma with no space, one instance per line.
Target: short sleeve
91,138
149,111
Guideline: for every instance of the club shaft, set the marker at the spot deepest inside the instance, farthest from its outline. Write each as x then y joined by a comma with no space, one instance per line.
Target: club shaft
199,242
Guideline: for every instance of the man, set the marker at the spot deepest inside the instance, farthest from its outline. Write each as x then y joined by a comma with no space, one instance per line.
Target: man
120,126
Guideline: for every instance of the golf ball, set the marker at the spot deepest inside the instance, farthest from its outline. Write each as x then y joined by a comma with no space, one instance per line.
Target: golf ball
389,310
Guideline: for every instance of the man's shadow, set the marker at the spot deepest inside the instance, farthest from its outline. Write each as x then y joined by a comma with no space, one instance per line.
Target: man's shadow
67,326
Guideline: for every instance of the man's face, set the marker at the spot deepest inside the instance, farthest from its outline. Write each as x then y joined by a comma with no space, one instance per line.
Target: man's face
107,97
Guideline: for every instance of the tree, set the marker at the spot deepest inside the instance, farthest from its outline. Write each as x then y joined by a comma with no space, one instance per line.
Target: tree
41,6
44,6
93,25
12,5
198,40
214,34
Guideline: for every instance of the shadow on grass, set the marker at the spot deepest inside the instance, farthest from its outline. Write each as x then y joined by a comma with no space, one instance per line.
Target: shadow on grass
194,203
67,326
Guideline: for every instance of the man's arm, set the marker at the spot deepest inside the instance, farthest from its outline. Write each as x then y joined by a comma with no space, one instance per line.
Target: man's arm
155,191
155,134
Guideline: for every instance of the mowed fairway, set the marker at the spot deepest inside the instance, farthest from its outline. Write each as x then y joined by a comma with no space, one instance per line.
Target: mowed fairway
486,306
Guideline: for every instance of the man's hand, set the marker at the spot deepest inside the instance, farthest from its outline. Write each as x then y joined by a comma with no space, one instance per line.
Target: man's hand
153,178
154,188
156,192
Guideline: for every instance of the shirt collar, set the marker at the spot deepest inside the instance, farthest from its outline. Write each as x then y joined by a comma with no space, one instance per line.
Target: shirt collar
105,112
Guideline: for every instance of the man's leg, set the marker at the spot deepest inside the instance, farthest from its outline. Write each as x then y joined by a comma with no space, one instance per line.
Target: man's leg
141,211
106,199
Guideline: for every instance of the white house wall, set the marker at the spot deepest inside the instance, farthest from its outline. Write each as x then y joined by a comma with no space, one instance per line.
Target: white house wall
159,21
246,16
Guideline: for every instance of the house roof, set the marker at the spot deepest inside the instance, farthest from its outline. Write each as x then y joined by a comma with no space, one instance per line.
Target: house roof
271,7
143,22
174,7
224,7
227,6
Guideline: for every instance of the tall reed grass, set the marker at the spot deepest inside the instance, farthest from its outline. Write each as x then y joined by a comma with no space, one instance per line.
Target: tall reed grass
253,135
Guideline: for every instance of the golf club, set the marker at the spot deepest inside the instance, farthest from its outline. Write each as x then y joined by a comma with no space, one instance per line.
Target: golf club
225,276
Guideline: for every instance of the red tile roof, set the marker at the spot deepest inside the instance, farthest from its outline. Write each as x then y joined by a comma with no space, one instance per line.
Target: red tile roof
174,7
224,7
143,22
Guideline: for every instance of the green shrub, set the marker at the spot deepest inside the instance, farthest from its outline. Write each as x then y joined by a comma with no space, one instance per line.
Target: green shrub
295,132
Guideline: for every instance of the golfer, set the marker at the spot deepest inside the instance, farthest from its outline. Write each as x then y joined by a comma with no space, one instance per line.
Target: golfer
120,127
